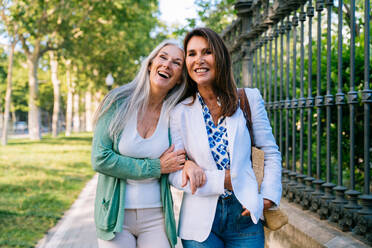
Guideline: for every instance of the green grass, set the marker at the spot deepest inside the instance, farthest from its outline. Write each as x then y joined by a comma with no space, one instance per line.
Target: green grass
38,182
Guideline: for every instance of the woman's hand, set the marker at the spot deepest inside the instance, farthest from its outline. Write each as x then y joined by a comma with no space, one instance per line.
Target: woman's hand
267,204
246,212
171,161
193,173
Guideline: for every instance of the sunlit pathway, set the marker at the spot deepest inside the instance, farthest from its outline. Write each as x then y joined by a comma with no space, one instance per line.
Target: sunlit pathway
76,228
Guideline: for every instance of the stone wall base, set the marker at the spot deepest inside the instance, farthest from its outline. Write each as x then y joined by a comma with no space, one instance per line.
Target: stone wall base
305,230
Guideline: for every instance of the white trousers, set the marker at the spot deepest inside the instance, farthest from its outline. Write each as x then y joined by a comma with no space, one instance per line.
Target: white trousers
143,228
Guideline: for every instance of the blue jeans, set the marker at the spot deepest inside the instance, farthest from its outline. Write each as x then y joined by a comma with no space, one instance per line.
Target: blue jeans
230,229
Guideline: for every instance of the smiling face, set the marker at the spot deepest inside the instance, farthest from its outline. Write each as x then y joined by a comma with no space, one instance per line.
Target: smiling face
200,61
166,69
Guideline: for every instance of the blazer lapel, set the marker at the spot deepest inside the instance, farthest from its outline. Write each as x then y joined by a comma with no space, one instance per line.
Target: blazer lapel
232,124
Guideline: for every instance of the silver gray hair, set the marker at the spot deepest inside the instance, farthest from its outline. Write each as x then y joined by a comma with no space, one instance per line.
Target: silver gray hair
136,94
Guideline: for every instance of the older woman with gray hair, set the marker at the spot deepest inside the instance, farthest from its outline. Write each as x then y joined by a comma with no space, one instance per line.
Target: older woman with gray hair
131,153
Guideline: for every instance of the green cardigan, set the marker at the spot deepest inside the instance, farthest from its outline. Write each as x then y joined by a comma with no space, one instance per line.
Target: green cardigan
113,170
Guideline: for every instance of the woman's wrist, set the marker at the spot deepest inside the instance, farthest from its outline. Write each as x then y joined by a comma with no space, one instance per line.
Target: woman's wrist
227,183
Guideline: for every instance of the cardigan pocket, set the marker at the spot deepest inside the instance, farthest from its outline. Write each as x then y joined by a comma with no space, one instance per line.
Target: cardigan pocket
108,209
105,204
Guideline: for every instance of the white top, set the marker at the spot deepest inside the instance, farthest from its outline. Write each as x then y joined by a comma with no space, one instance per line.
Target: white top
143,193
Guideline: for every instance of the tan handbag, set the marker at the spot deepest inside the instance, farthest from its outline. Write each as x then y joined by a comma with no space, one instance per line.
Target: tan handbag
276,218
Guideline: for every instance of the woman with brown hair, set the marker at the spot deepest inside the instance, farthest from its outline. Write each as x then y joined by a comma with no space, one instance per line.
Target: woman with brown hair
222,206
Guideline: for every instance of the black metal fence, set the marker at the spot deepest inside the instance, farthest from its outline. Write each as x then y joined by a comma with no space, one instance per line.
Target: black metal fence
311,62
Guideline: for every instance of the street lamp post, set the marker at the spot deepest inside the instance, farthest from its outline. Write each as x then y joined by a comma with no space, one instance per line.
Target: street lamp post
109,81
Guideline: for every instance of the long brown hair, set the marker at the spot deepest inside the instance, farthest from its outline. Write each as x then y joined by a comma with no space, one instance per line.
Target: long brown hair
224,86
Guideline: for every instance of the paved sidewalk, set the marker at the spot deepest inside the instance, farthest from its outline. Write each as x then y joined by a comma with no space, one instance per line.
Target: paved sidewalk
76,228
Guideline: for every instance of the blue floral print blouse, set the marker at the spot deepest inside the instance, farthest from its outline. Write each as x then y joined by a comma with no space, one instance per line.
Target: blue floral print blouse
217,137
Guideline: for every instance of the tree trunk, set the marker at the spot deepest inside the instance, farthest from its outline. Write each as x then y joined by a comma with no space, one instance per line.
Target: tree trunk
56,91
14,117
76,118
8,95
69,98
76,101
82,115
88,111
33,111
1,120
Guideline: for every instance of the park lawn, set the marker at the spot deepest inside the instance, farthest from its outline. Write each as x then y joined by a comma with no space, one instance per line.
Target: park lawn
39,181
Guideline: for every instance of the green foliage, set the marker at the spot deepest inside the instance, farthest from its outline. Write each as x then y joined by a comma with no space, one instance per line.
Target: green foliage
19,87
45,102
181,31
98,36
345,88
216,14
3,66
113,39
38,182
3,75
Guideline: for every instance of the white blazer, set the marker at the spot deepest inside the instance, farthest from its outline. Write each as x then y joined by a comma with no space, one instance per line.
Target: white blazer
188,131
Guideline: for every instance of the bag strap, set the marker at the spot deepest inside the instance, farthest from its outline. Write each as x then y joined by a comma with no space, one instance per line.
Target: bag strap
244,105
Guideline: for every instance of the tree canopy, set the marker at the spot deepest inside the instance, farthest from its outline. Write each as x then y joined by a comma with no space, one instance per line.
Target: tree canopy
97,37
